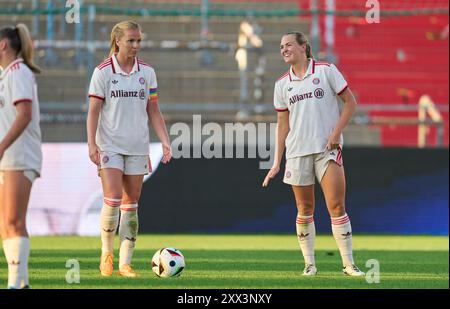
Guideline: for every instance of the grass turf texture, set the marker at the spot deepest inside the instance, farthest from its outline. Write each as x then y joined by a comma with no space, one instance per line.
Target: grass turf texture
244,261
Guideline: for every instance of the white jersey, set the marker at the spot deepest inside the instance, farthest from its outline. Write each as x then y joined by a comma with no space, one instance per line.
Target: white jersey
18,86
123,121
312,103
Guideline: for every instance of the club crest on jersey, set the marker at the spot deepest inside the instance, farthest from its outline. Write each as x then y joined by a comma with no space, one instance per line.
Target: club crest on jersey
319,93
142,80
142,94
316,81
105,159
288,174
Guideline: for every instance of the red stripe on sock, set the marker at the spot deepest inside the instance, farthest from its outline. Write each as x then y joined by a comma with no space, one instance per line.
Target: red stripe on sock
304,221
111,203
340,222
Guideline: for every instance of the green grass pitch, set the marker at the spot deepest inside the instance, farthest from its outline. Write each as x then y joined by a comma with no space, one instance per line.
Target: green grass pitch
244,261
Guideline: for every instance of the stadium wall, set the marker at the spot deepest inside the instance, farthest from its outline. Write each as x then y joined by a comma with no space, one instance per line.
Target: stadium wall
400,191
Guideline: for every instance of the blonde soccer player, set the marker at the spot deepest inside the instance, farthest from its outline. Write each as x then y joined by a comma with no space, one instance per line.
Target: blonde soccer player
122,99
309,128
20,147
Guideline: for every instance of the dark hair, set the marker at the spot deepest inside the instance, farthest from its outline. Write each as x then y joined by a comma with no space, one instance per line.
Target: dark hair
20,42
301,39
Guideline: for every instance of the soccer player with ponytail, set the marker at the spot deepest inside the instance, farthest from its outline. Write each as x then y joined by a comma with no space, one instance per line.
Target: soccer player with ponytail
20,147
122,99
310,128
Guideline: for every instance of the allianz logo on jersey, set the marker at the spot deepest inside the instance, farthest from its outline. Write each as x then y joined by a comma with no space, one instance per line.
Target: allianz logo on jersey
128,94
319,93
300,97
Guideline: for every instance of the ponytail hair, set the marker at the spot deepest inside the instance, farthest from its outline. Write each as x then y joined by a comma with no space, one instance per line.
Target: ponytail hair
118,31
27,48
301,39
20,42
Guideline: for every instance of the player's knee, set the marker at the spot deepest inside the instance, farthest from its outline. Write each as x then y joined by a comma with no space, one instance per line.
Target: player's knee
130,199
13,228
336,208
305,207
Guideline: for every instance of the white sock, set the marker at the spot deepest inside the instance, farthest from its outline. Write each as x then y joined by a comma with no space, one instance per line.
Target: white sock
109,219
306,234
128,230
342,232
17,251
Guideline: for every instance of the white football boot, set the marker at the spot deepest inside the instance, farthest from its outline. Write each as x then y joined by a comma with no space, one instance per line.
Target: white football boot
352,270
310,270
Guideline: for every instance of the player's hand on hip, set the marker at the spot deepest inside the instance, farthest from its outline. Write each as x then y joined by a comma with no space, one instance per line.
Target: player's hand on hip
94,154
167,153
333,142
272,173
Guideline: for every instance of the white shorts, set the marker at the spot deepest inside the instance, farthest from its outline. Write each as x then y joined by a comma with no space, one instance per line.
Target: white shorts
31,175
129,165
302,171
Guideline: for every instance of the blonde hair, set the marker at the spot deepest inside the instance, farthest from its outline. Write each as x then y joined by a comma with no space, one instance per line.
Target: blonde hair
20,41
118,31
301,39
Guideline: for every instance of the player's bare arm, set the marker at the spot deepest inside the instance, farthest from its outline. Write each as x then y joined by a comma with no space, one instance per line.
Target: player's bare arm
159,124
95,105
281,134
349,108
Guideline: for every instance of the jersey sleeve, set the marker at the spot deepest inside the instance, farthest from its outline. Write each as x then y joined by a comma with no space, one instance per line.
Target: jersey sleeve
22,87
278,99
153,87
337,80
97,86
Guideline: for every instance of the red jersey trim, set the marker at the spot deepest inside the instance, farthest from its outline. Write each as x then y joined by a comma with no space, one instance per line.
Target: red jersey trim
95,96
101,67
342,91
112,66
281,109
15,65
283,76
22,101
143,63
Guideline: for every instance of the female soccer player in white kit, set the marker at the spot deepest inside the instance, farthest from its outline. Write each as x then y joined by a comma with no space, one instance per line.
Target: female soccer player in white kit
123,97
20,147
310,128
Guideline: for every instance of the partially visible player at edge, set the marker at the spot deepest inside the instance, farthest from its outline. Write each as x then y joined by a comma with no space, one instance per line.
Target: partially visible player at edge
310,127
122,99
20,147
